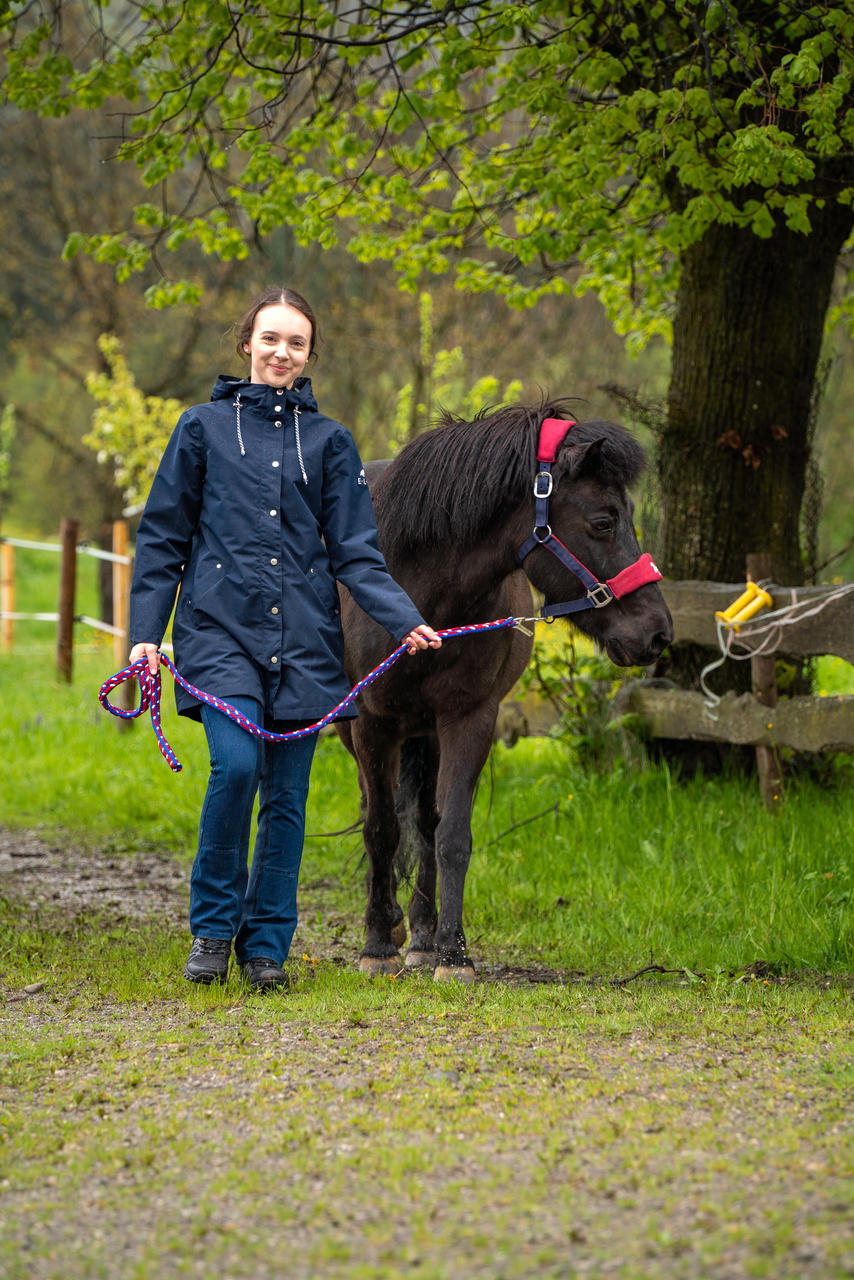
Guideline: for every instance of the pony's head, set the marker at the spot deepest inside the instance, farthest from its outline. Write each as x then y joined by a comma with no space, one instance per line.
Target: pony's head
466,482
591,513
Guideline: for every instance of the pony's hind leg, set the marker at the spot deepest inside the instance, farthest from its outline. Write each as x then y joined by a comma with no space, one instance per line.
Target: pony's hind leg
378,760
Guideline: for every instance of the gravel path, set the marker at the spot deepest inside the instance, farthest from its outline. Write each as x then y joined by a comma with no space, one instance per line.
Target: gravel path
164,1138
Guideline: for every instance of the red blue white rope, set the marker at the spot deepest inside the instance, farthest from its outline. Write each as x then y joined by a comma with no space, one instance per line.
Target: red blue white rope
149,692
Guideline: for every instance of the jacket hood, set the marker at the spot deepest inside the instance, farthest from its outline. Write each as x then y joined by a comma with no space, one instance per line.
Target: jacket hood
256,393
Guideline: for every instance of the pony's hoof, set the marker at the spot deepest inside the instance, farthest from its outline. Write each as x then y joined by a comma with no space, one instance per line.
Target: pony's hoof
378,966
398,932
419,959
454,973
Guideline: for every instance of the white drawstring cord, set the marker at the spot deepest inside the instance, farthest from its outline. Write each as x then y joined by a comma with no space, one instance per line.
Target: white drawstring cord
299,445
239,436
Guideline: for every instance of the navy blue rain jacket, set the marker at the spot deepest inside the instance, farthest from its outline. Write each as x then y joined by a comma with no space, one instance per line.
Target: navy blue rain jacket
259,505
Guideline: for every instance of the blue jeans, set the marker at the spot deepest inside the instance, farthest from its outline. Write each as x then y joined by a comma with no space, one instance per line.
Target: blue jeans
258,909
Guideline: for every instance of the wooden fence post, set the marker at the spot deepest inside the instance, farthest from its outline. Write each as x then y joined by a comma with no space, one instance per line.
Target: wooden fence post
764,681
7,594
67,592
121,583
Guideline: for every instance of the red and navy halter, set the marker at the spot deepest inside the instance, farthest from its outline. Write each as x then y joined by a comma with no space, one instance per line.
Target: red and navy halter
637,574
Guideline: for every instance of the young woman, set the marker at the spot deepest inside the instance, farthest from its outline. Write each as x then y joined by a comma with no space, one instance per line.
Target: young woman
258,508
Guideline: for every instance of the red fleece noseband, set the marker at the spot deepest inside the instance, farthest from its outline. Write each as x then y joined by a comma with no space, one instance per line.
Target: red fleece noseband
635,575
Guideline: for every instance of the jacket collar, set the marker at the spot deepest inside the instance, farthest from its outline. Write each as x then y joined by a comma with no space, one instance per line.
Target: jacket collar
260,395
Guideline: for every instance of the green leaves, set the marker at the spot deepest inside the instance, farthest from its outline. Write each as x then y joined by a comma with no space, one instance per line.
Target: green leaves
520,145
129,430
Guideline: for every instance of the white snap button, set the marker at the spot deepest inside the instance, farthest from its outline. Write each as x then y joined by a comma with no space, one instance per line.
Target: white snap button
273,512
274,561
274,609
275,464
274,659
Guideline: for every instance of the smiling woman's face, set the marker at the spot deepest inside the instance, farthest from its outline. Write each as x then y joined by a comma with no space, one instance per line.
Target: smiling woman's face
280,345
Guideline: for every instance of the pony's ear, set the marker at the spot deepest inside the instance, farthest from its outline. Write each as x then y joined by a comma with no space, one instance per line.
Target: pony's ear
582,459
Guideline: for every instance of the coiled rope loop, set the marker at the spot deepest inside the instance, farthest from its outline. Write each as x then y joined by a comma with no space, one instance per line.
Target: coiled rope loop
149,692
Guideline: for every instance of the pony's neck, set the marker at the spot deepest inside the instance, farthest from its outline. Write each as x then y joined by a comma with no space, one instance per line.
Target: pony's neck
453,586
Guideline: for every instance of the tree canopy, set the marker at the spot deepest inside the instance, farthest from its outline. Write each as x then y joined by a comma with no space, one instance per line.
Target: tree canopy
691,162
528,147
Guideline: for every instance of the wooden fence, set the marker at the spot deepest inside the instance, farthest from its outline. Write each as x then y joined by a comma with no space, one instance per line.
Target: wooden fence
68,548
802,622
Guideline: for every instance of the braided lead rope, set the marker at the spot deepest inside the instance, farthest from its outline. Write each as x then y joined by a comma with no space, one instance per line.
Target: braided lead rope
149,692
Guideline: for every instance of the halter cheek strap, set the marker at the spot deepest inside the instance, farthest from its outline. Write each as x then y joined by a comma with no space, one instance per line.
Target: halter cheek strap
638,574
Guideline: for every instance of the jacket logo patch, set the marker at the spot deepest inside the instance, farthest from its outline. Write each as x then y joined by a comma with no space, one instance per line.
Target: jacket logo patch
362,478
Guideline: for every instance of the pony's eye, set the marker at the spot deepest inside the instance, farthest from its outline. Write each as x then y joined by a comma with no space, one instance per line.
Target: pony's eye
603,525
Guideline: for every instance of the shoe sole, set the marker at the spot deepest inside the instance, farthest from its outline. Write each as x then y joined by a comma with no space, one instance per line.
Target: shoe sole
206,979
266,986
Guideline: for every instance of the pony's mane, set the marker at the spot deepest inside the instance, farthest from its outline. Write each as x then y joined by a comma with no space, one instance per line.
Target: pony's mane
452,483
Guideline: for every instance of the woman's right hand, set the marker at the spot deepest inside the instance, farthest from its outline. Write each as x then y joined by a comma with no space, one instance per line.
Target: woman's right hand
149,651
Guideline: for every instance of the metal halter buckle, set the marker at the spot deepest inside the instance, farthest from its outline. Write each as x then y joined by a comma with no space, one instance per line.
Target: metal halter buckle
600,595
543,475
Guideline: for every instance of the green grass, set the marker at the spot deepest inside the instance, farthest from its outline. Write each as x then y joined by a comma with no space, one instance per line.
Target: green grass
625,866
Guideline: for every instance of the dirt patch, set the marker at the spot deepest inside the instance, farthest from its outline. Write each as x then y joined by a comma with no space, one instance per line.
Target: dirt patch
74,881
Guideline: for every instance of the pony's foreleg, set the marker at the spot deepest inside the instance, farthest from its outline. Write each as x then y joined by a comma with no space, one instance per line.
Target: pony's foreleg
463,750
378,762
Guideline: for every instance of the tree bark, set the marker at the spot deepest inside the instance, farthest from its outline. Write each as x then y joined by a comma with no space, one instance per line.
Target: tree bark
733,456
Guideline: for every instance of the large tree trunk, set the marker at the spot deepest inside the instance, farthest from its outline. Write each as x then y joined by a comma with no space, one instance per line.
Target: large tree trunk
733,456
734,453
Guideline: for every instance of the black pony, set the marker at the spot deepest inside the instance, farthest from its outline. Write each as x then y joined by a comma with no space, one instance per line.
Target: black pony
453,511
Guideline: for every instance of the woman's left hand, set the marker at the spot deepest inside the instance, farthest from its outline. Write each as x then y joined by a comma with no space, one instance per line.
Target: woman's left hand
422,637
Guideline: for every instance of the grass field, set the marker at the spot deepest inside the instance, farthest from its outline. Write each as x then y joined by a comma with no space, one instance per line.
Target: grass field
549,1121
618,867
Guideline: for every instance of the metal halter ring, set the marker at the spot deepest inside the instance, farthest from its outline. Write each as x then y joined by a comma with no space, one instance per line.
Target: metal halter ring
546,534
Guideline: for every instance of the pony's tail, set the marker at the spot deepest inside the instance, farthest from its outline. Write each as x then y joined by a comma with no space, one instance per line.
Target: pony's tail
416,779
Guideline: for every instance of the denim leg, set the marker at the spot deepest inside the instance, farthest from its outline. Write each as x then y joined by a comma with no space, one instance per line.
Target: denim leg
219,875
270,906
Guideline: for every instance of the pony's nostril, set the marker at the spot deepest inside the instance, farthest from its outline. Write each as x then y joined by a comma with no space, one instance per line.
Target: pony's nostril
661,640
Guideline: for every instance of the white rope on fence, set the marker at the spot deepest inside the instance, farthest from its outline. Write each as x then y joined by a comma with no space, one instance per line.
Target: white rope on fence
31,617
767,632
31,546
83,549
99,626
